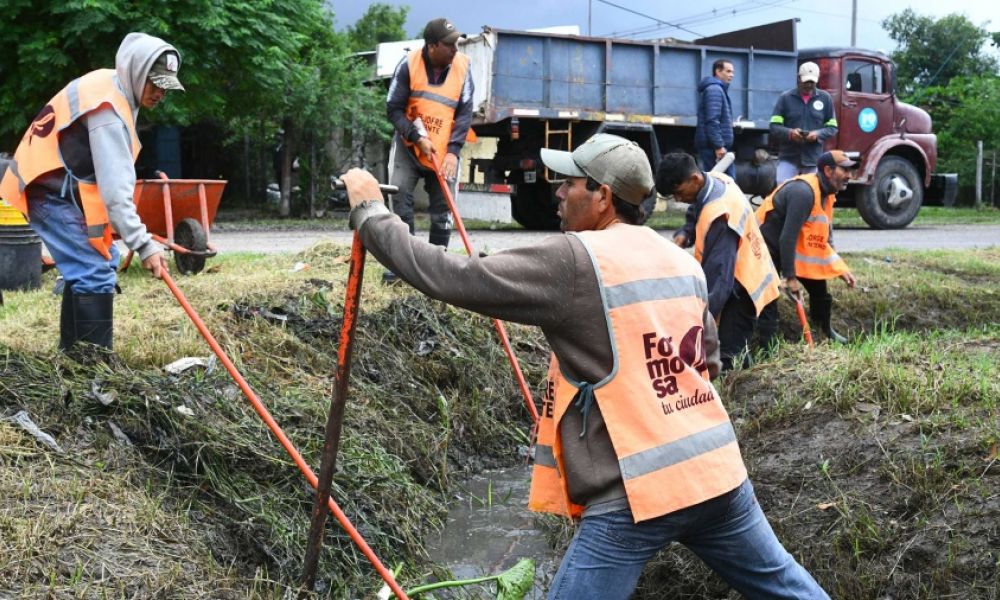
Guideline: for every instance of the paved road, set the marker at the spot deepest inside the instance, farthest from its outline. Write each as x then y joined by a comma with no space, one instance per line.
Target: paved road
847,240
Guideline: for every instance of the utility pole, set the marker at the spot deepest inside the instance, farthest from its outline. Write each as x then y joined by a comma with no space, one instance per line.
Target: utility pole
854,23
979,174
590,12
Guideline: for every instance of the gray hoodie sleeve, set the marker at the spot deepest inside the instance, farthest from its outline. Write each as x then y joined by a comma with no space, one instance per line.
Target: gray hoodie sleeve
115,174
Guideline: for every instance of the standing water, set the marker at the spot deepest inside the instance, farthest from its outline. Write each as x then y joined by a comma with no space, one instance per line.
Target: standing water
489,529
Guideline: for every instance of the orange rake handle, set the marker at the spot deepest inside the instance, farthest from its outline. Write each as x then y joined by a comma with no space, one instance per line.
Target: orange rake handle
501,330
806,332
258,406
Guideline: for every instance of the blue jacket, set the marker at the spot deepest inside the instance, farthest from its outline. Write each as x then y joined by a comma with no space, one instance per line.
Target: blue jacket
715,115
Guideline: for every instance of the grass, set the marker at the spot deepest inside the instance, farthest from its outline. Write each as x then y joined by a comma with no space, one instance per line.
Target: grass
876,461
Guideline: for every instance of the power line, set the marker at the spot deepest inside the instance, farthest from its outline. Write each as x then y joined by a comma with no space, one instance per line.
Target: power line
635,12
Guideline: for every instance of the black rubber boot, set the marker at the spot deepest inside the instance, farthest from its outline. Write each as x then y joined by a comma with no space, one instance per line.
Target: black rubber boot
67,322
94,317
822,309
439,237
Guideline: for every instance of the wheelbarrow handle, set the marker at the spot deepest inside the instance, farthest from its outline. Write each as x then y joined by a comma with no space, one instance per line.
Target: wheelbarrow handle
338,184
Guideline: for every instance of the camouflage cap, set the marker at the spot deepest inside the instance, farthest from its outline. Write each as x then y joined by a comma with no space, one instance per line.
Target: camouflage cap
163,74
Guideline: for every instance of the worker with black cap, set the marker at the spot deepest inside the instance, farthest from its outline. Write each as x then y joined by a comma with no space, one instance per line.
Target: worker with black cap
73,176
796,221
430,105
633,439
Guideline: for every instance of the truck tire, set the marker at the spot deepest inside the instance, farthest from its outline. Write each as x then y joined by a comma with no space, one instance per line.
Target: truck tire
894,197
533,206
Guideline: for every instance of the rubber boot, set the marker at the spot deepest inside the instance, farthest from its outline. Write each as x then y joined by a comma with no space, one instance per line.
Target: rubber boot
67,320
439,237
94,318
822,309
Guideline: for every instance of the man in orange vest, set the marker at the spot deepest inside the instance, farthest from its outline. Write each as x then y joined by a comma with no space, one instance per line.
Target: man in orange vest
73,177
633,438
430,105
741,277
796,221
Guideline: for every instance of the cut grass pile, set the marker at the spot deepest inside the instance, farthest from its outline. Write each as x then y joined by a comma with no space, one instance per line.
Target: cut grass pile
876,462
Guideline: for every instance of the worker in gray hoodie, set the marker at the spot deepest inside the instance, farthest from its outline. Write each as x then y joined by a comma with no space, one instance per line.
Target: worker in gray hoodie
73,176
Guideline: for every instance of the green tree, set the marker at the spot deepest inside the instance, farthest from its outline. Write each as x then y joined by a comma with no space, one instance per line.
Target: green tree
933,51
380,23
965,111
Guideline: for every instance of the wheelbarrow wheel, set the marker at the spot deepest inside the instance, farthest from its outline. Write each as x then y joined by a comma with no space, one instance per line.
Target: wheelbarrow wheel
189,234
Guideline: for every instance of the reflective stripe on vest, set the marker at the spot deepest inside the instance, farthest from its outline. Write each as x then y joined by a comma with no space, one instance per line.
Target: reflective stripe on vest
671,434
39,151
815,258
434,104
548,491
754,269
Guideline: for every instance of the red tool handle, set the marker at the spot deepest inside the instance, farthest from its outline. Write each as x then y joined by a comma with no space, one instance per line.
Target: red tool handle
501,330
335,418
258,406
802,319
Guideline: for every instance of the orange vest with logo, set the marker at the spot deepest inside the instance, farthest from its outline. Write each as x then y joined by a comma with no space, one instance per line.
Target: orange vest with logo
675,444
754,269
39,151
434,104
815,258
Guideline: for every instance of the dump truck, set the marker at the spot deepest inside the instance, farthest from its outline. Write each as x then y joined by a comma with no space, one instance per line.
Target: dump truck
549,90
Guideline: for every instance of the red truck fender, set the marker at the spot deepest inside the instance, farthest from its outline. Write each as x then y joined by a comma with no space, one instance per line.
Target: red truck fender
871,159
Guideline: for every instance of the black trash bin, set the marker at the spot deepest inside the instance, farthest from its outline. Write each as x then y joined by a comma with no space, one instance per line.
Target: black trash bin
20,258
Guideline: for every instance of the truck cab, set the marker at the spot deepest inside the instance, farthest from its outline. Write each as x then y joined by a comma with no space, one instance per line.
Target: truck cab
897,149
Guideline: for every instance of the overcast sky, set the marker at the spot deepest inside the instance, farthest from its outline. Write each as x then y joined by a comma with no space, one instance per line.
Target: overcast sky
822,22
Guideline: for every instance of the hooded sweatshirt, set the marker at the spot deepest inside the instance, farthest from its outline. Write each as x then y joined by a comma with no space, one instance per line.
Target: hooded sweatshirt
105,134
714,129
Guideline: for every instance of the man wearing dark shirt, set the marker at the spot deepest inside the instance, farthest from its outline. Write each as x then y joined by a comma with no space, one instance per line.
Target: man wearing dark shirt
796,221
741,278
430,105
803,118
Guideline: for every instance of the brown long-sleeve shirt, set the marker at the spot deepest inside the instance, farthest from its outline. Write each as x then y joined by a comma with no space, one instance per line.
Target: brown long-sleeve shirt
552,285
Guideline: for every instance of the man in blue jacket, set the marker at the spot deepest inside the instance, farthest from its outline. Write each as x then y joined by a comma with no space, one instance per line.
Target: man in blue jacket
713,136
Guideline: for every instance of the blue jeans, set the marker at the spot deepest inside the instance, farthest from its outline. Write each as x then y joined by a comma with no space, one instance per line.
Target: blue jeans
729,533
61,225
786,170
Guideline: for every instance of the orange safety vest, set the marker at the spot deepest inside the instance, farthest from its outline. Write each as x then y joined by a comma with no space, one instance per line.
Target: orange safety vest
39,151
815,258
754,269
434,104
675,444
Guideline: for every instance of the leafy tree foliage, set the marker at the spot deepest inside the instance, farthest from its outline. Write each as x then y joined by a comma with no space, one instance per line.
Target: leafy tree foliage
380,23
965,111
933,51
251,66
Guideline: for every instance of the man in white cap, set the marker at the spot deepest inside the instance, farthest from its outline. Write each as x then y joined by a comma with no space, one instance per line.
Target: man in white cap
802,119
633,439
73,177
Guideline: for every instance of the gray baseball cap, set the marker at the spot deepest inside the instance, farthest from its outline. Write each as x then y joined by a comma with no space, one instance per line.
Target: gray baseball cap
610,160
163,73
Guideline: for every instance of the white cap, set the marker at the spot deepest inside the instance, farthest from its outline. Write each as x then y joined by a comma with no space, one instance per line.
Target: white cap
809,71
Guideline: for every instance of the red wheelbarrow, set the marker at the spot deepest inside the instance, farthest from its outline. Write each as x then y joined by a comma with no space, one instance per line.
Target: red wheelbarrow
178,213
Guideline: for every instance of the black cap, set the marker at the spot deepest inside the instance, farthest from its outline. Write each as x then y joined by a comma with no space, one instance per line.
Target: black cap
441,30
